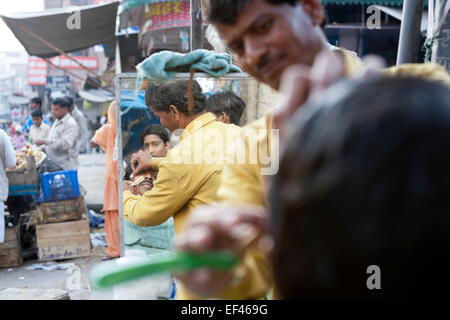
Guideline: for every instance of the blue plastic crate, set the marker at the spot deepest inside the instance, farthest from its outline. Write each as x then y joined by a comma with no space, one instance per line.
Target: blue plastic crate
59,186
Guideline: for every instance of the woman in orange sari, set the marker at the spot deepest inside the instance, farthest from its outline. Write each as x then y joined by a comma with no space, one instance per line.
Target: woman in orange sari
105,137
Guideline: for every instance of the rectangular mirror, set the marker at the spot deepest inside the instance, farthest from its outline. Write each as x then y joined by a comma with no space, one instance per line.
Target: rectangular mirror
134,118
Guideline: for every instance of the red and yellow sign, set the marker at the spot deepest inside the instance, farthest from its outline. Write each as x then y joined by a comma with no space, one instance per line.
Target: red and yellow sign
167,15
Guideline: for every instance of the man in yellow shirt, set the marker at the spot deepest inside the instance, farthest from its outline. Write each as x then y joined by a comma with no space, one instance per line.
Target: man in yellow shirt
267,37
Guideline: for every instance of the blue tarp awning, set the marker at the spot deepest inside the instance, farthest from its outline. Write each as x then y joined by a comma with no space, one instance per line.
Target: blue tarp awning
136,116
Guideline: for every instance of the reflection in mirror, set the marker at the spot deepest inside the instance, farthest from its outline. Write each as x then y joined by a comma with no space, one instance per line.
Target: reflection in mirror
159,126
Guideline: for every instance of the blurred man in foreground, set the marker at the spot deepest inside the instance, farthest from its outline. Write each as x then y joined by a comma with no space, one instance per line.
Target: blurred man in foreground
361,200
270,39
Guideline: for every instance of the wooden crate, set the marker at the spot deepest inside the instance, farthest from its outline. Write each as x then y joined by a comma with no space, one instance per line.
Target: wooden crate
24,176
65,240
60,211
11,249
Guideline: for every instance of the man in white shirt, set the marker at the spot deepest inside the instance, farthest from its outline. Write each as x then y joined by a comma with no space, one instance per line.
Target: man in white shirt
7,160
39,130
61,145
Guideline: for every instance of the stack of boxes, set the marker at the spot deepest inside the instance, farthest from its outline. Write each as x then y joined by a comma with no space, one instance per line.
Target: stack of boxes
22,182
11,249
62,232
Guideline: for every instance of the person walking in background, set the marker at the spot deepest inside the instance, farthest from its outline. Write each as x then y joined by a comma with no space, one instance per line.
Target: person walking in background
81,120
105,137
18,139
7,160
61,145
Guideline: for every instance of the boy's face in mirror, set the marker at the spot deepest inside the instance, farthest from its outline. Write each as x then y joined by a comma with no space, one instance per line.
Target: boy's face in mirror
154,145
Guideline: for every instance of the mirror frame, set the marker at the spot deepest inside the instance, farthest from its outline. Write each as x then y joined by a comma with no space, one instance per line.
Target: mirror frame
119,78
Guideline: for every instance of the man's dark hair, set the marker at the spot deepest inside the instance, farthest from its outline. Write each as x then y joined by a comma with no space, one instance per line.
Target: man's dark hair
62,102
69,100
37,100
175,93
365,180
157,129
227,11
226,102
36,113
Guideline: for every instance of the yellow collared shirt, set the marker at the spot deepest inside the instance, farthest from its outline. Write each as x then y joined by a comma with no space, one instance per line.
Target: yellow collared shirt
245,184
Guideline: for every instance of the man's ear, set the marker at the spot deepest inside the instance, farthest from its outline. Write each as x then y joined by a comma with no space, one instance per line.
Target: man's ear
226,118
174,112
223,117
314,9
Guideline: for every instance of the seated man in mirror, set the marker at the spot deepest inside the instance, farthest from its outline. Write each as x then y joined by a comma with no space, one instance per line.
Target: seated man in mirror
190,174
150,239
155,141
144,181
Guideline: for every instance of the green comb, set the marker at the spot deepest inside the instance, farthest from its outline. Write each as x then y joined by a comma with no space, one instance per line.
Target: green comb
109,273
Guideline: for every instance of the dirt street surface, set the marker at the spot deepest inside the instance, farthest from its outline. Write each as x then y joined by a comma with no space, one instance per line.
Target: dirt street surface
72,281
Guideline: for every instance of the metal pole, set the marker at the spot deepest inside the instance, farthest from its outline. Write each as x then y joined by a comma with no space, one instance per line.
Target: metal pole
409,42
120,166
118,61
196,25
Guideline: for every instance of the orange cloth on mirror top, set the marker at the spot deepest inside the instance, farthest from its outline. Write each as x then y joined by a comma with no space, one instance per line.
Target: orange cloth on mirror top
112,233
105,137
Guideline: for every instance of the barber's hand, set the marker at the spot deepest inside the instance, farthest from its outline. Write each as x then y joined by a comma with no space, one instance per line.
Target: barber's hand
140,161
217,227
300,83
127,186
